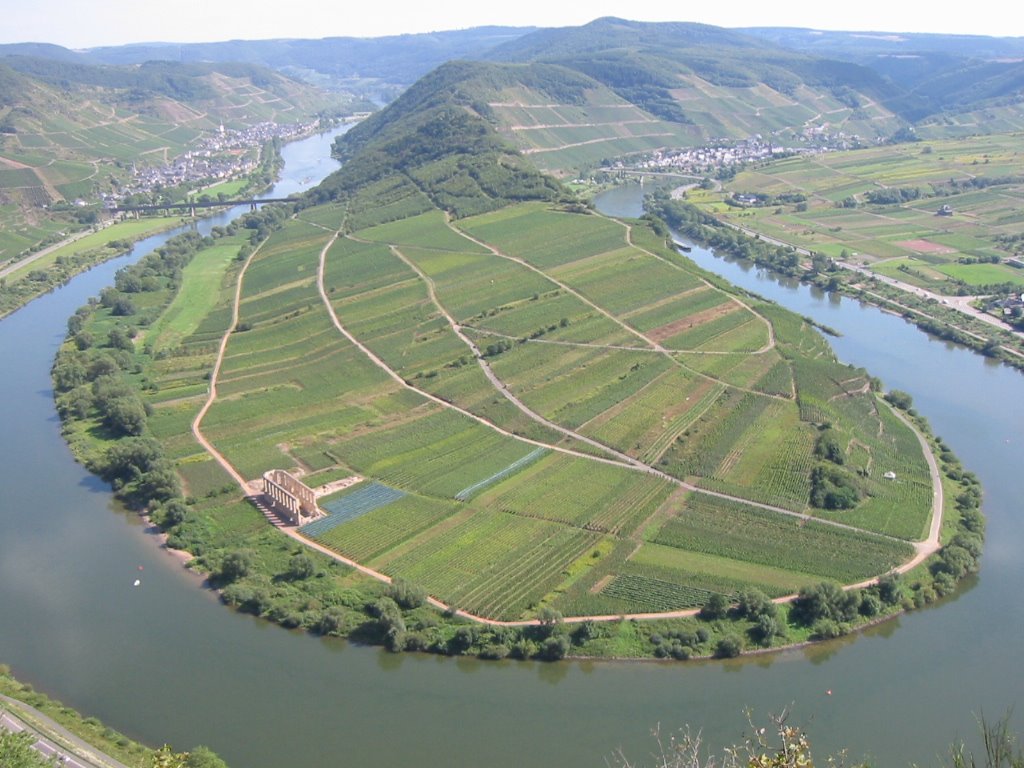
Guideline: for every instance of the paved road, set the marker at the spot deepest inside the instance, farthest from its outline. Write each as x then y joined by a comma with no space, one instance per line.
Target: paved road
51,738
961,304
45,251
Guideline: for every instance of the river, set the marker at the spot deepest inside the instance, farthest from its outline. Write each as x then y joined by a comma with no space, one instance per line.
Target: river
164,661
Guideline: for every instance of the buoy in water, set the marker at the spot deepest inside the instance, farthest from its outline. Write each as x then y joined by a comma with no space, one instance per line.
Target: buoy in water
137,582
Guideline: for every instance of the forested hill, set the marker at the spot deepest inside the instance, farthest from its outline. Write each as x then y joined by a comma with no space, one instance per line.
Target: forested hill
377,66
188,82
436,146
941,73
230,93
646,62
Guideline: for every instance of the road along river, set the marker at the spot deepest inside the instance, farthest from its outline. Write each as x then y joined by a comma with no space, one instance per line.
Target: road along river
164,661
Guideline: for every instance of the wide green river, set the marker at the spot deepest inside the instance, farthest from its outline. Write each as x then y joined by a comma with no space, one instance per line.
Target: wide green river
165,662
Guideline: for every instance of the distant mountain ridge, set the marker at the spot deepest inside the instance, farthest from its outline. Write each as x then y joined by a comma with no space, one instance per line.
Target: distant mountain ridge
914,76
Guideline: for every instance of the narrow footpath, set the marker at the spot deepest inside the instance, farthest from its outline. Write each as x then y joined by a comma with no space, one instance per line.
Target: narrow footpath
923,549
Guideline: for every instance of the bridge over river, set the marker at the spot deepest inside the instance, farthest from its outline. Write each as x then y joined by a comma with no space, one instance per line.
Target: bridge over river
192,205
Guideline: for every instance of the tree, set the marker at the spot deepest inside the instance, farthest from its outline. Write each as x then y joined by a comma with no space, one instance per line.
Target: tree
120,337
203,757
890,589
899,399
555,647
235,565
728,647
829,448
406,594
301,566
17,751
826,600
752,603
550,621
716,607
125,416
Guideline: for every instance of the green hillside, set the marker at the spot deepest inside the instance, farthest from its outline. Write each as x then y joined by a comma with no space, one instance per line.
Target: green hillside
727,83
72,132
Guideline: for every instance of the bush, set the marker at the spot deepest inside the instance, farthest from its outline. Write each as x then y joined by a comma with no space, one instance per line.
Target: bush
300,567
728,647
234,566
716,607
833,488
890,589
554,647
406,594
825,601
899,399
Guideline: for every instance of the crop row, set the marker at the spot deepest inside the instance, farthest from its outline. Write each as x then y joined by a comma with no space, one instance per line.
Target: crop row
492,559
643,594
701,449
356,503
711,572
352,268
440,454
372,536
543,237
511,469
625,279
428,230
644,416
727,529
648,315
576,491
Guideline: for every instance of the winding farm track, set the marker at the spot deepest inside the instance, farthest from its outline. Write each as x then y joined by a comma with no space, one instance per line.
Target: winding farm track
923,549
653,345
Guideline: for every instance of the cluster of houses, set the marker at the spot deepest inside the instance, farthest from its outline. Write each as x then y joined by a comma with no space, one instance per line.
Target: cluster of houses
705,160
1009,308
224,155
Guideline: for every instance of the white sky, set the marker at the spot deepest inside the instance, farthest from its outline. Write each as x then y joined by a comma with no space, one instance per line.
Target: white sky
78,24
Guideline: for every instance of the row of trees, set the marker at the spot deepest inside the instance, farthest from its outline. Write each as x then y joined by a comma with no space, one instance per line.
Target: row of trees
692,222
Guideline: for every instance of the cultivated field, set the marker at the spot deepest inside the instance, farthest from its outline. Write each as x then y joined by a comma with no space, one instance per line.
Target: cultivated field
540,408
978,178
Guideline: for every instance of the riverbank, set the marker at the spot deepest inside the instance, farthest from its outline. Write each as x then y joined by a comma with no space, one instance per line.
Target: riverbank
76,740
256,576
166,662
942,317
38,273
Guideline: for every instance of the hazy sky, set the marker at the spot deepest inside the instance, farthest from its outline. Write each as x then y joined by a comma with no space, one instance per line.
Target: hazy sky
78,24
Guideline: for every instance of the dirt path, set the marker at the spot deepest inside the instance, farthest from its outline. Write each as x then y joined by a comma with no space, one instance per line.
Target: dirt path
654,345
541,150
771,329
492,377
215,374
382,365
924,548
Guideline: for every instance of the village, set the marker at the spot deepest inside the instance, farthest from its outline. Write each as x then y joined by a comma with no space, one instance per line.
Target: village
724,154
225,155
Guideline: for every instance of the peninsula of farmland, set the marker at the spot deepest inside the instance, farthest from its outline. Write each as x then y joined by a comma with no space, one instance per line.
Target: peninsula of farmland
533,428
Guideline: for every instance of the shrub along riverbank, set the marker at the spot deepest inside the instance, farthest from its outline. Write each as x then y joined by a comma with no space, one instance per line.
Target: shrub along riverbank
929,315
104,383
90,730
